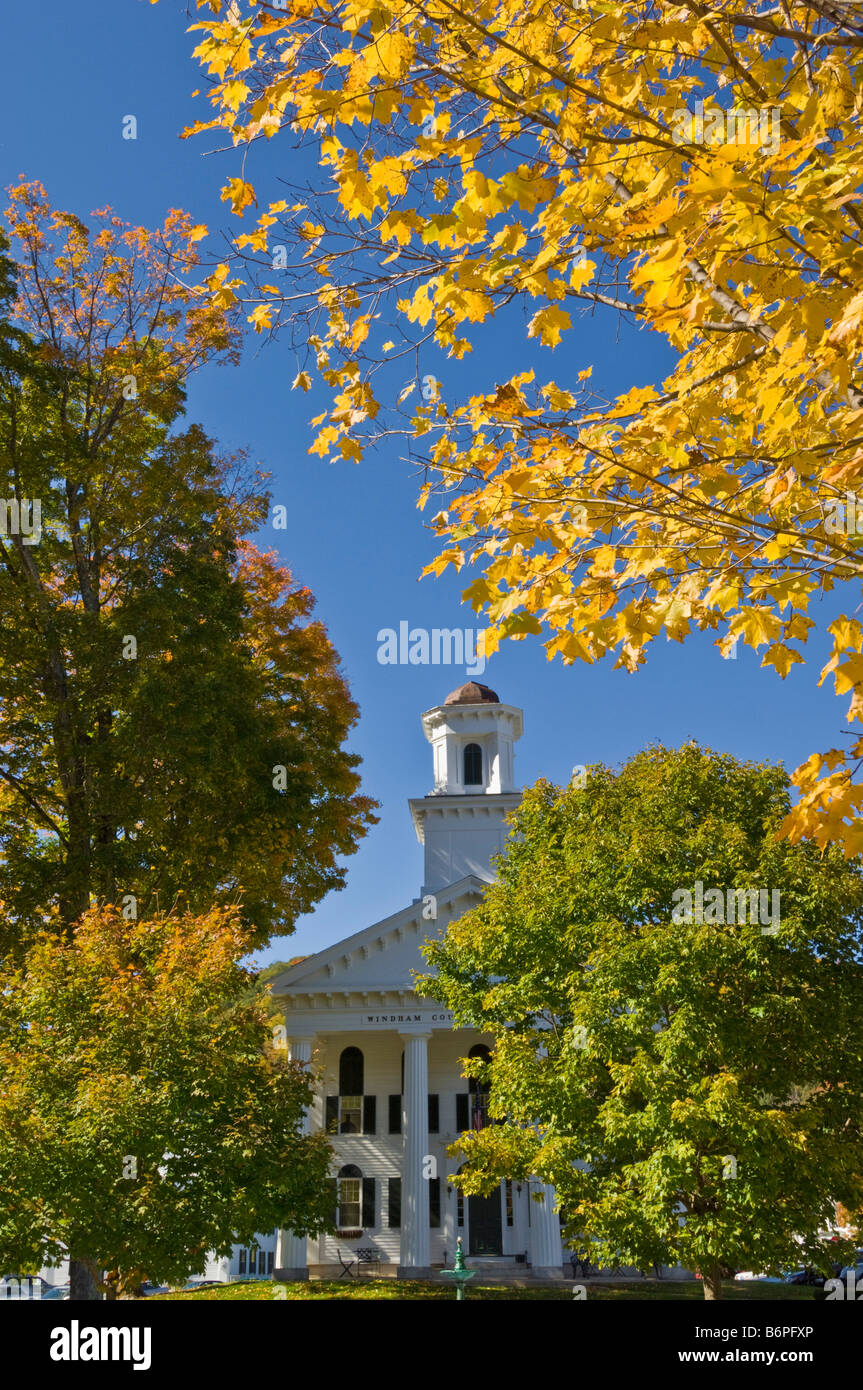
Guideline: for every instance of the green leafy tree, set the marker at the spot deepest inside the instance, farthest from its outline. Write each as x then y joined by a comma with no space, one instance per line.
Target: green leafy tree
692,1088
146,1117
171,719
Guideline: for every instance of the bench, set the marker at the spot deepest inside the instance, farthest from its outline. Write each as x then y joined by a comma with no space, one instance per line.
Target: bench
369,1258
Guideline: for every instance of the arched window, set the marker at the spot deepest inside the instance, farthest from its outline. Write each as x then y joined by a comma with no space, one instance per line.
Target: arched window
350,1197
351,1091
473,765
351,1072
479,1091
475,1085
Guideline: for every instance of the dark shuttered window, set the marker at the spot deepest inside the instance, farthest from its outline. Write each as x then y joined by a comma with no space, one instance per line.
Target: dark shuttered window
369,1114
395,1115
332,1202
461,1112
331,1121
434,1202
369,1219
394,1193
434,1114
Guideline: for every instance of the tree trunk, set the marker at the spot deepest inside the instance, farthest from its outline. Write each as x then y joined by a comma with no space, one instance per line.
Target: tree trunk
123,1283
83,1287
712,1280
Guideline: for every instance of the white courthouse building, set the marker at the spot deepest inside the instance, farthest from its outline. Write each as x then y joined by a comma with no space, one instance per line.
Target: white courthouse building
393,1096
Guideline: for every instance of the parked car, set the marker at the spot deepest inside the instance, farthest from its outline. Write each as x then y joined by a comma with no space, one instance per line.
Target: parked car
56,1291
191,1284
857,1268
148,1289
804,1276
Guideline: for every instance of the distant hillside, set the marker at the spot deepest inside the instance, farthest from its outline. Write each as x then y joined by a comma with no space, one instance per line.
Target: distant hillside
271,971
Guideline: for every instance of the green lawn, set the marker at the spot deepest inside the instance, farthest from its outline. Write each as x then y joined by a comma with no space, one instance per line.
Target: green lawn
415,1288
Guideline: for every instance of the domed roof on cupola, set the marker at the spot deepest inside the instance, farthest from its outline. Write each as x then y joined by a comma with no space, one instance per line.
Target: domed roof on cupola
472,693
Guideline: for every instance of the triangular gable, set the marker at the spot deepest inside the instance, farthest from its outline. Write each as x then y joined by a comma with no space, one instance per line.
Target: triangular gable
381,956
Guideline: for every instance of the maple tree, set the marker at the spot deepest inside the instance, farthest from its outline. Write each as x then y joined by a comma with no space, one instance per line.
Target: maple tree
146,1116
483,162
171,716
652,1067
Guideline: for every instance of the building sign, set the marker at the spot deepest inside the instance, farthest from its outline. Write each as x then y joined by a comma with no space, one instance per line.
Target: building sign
408,1018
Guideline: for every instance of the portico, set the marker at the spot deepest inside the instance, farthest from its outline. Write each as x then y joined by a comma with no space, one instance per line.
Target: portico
390,1088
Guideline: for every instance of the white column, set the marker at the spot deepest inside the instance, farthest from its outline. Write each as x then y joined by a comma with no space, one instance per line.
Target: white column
415,1191
546,1252
291,1257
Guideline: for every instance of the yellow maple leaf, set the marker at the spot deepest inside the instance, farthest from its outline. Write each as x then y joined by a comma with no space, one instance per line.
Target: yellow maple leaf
782,657
392,55
548,325
848,674
757,625
261,317
239,194
848,634
233,94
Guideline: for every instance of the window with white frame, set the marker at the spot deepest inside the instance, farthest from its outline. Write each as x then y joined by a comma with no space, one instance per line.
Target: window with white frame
350,1198
472,765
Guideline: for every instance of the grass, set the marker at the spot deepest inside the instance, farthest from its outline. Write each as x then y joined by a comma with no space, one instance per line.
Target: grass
641,1289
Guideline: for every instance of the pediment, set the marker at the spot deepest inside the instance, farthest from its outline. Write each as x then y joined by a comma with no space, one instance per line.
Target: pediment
382,957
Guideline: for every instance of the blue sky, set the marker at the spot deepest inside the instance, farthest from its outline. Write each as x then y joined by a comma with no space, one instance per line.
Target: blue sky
354,534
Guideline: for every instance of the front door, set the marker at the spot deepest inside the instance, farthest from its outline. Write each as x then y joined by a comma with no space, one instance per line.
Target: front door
485,1225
